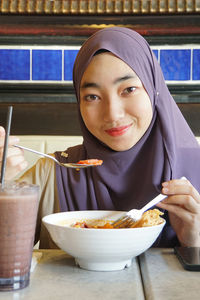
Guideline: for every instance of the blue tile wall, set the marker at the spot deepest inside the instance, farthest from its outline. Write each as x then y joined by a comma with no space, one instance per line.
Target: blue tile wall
33,64
175,64
156,53
14,64
47,65
196,65
69,58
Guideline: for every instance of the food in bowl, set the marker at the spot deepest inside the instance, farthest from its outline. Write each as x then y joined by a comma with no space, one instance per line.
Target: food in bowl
100,249
87,224
150,218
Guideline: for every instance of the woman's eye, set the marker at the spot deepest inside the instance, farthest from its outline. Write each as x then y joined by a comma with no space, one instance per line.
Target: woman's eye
91,97
129,90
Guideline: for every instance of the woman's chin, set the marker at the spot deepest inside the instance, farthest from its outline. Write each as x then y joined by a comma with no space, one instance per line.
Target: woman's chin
120,146
120,143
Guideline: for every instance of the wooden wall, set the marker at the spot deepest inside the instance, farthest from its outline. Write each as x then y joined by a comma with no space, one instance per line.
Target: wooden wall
62,119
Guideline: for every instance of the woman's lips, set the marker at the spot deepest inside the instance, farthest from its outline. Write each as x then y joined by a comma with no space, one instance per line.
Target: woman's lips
116,131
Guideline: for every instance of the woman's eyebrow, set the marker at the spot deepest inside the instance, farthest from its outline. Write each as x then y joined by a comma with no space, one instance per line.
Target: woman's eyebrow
124,78
86,84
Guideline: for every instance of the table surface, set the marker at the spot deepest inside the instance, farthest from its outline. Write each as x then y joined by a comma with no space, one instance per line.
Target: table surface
57,277
165,278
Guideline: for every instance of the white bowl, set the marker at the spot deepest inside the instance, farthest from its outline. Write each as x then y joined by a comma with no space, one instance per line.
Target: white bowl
100,249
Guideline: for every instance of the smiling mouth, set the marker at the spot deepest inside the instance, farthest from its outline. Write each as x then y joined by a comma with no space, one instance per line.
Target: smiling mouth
117,131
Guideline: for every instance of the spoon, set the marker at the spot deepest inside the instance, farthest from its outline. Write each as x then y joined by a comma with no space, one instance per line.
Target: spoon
67,165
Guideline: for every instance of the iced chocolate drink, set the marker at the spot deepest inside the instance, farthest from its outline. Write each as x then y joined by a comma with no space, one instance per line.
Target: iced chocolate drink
18,213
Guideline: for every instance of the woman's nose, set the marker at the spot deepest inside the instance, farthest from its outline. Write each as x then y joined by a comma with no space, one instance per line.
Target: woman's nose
113,110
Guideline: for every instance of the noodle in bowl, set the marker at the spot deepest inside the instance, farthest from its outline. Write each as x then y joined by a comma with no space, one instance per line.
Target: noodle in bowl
99,249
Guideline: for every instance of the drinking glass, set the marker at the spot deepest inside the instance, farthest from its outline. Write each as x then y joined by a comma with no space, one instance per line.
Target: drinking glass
18,214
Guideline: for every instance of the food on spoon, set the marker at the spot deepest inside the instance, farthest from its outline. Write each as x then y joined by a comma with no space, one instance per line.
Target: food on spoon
64,154
96,162
150,218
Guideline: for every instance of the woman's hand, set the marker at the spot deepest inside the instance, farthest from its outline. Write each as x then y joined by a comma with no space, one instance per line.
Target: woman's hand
15,158
183,205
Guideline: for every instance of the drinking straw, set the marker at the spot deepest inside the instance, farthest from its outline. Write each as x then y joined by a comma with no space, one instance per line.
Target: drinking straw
5,148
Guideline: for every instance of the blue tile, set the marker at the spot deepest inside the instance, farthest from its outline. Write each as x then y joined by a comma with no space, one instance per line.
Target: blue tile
156,53
196,64
47,65
175,64
69,58
14,64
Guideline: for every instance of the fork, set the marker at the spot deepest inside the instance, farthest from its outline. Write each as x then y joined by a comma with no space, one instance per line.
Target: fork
67,165
135,215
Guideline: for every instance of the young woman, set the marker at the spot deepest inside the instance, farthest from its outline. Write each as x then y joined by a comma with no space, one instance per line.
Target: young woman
130,121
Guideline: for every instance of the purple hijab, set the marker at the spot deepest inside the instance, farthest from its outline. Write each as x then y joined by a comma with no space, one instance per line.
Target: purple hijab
129,179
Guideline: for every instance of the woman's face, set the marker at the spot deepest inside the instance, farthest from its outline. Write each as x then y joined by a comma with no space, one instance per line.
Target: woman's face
114,105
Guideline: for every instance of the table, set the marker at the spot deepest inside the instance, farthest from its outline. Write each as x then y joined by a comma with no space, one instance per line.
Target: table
164,277
57,277
156,274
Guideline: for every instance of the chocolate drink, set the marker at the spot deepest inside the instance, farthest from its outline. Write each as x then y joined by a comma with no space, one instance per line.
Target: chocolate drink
18,213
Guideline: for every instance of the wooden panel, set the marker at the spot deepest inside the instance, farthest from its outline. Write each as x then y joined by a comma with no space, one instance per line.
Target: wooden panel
47,119
98,6
71,26
62,119
191,112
